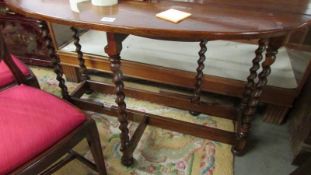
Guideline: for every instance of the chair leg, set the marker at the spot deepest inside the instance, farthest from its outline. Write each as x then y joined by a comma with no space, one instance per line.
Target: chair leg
95,146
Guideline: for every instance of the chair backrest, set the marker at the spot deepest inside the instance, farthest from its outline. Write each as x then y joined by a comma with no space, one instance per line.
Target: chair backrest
7,58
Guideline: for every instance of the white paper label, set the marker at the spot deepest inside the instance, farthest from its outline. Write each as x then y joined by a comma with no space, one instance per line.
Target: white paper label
108,19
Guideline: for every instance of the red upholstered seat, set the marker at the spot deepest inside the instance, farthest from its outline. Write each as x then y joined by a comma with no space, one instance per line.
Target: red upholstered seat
6,75
31,121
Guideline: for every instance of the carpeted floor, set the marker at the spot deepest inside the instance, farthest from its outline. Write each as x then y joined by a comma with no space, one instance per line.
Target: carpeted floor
160,152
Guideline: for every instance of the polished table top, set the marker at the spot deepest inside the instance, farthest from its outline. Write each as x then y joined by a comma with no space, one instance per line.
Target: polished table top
211,19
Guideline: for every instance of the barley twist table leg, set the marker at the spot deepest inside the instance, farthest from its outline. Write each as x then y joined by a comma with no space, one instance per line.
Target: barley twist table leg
55,59
252,94
113,49
83,69
249,87
199,76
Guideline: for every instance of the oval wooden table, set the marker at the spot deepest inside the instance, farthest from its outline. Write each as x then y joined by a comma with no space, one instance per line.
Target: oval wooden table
269,21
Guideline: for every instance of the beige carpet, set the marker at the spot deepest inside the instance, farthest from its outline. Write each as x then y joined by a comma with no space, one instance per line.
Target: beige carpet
160,152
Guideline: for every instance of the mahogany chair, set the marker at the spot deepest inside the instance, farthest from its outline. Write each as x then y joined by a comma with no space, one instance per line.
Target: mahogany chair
39,130
7,78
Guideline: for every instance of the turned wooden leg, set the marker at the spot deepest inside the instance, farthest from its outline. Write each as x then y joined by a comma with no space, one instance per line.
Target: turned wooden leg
113,50
83,69
54,58
254,90
249,88
199,77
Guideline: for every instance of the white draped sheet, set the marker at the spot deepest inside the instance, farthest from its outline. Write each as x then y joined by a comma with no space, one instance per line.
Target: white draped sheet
223,58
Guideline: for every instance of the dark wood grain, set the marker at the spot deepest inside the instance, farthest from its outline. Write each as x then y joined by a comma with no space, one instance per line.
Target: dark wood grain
210,19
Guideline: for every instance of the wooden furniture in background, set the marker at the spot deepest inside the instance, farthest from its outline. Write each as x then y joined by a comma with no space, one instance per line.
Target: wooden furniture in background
44,150
23,37
273,32
300,126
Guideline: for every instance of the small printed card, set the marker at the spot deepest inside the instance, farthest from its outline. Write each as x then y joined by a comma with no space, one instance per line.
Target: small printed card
173,15
108,19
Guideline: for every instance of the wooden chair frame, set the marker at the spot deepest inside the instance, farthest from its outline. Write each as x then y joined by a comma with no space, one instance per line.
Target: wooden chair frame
30,80
42,163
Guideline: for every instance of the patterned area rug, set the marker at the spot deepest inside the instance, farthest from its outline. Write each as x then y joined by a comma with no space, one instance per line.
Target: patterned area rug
160,152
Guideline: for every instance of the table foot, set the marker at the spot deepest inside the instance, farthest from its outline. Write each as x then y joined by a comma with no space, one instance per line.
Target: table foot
194,113
89,91
239,149
127,161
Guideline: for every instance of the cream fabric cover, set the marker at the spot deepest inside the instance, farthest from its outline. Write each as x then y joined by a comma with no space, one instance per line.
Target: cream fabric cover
223,58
